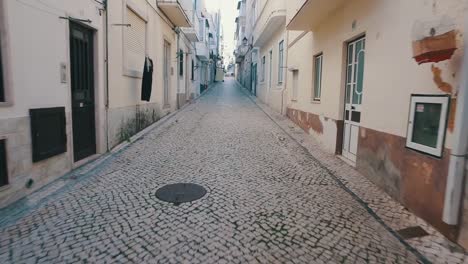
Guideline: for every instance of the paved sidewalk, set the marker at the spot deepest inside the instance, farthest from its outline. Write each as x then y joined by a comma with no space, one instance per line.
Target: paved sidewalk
435,247
268,201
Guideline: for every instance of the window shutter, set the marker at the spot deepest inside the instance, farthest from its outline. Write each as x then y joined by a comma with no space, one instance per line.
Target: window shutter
135,41
3,164
193,71
181,63
49,137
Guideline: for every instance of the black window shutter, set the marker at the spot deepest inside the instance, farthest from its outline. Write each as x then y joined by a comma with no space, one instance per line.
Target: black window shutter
3,164
48,130
193,71
181,64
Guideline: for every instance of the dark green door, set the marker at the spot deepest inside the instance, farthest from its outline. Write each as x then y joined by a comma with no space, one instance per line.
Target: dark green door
82,88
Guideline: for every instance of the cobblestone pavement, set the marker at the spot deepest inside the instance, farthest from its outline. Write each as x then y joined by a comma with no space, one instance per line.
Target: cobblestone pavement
268,201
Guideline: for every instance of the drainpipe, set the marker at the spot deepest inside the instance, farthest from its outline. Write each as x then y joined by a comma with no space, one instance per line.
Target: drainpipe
107,71
286,75
454,188
177,31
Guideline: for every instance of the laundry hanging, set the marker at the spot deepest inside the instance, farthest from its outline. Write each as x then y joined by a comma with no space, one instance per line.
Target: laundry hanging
147,81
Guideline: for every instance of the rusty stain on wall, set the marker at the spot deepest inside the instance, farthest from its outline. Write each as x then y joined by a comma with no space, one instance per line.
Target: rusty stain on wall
443,86
446,88
305,120
415,179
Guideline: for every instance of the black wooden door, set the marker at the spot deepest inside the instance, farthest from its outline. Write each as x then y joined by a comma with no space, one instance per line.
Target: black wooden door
82,88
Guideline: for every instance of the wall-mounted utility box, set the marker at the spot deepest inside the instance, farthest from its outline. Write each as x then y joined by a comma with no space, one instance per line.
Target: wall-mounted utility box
48,131
435,48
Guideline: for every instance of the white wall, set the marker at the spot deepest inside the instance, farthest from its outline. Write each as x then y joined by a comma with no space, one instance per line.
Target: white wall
35,42
391,74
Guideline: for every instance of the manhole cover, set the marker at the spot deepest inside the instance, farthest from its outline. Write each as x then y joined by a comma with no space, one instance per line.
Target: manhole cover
180,193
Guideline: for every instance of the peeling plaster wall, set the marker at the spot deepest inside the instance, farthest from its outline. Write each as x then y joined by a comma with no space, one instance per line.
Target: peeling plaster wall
323,129
391,75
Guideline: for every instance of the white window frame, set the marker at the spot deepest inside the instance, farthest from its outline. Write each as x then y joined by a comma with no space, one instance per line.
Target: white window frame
270,69
444,100
263,68
319,88
280,62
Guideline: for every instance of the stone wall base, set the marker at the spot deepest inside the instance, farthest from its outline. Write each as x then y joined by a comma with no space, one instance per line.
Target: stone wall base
21,169
414,179
124,122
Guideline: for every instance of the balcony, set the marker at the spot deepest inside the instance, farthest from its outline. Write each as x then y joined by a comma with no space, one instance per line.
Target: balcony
313,13
192,32
175,11
202,51
240,53
272,17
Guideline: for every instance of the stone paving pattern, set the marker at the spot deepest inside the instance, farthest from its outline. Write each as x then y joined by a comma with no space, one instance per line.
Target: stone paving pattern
434,247
268,201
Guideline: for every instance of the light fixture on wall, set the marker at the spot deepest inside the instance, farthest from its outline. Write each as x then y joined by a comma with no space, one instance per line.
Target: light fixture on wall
245,41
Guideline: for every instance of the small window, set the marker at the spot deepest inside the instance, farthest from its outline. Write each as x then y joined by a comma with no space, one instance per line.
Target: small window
295,85
49,137
193,71
427,123
181,63
318,61
280,61
3,164
263,68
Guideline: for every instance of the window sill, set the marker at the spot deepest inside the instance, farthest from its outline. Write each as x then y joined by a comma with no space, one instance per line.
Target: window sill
5,188
133,73
314,101
294,100
6,104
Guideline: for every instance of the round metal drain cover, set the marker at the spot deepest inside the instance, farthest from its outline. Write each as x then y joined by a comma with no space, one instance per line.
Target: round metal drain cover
180,193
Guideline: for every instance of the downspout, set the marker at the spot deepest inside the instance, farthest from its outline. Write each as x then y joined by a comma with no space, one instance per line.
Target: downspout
286,77
177,31
107,72
456,173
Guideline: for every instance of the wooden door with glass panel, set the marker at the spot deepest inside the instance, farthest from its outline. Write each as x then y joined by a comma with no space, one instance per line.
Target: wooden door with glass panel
353,97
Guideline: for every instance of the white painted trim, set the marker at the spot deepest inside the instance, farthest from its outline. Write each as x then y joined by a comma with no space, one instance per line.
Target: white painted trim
444,101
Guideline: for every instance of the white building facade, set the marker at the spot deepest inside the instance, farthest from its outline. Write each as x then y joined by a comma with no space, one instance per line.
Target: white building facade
71,80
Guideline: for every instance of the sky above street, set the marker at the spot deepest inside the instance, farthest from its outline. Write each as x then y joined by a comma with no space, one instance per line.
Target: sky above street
228,15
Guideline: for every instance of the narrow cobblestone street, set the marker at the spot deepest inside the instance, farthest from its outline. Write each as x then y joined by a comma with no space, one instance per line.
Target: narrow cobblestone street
268,201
